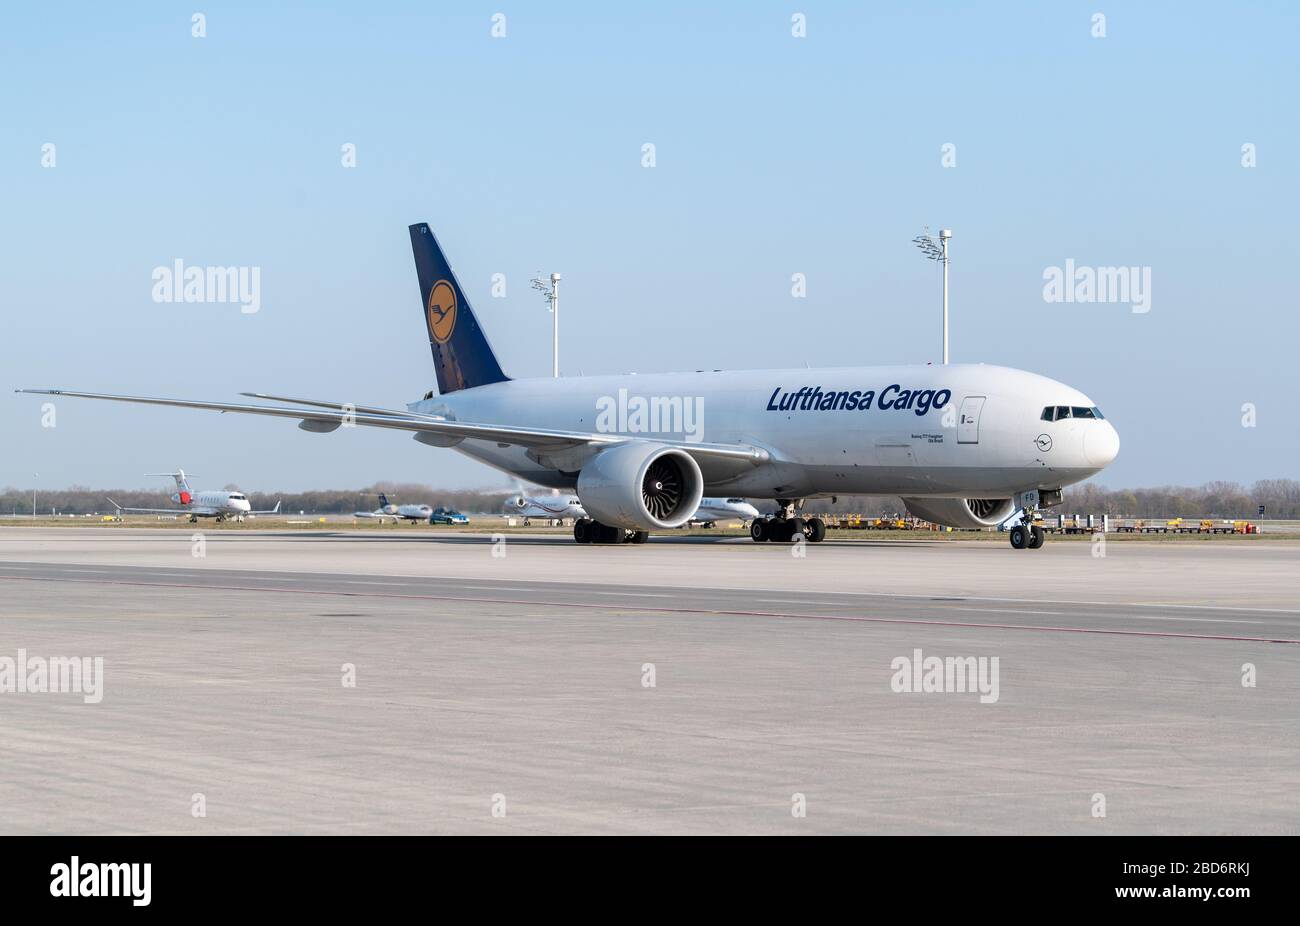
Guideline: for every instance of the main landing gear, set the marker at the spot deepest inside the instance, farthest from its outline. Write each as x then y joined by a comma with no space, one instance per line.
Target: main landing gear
585,530
785,526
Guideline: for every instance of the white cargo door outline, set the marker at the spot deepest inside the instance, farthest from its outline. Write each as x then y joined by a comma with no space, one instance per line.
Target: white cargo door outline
968,419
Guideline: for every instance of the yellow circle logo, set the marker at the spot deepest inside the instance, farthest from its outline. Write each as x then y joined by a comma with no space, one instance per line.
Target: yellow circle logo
442,311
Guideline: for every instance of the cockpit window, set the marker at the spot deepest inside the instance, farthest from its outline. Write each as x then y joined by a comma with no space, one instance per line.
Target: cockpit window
1057,412
734,501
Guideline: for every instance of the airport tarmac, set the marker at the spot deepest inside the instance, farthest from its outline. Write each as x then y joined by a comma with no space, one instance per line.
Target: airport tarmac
513,674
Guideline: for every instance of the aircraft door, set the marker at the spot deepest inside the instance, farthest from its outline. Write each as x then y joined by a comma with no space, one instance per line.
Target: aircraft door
968,419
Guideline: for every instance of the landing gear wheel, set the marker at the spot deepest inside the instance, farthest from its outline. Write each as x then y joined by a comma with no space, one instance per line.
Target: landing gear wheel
796,530
1036,537
639,537
758,531
1019,538
582,530
815,529
603,533
778,530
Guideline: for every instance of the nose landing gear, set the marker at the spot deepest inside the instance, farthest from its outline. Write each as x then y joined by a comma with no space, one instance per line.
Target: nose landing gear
1026,535
1027,538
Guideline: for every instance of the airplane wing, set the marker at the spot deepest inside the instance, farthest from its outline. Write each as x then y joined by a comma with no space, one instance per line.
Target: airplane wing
275,510
716,459
155,510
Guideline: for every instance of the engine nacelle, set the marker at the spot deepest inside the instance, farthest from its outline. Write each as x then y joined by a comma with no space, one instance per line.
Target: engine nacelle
962,512
639,486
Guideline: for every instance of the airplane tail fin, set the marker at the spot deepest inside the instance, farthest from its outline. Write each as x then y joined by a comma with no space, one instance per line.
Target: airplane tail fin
462,357
182,484
383,500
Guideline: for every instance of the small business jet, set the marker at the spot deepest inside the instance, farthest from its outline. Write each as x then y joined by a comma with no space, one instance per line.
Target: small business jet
219,504
964,445
556,507
713,510
387,509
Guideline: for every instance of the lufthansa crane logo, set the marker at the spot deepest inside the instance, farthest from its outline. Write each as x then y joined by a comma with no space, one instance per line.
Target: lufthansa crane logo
1044,442
442,311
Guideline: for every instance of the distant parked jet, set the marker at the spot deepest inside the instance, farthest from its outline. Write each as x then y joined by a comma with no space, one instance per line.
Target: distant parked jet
397,512
545,507
219,504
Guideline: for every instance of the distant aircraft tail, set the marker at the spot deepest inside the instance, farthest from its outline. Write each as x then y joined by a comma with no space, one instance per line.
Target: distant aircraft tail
462,357
383,500
182,485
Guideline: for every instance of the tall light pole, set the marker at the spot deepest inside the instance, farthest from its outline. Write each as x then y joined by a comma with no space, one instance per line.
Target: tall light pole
35,476
552,294
938,250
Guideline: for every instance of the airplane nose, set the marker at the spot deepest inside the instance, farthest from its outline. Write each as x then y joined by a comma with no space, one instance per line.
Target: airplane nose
1101,444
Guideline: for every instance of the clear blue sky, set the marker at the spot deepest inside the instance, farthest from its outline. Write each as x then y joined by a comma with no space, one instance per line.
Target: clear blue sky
775,155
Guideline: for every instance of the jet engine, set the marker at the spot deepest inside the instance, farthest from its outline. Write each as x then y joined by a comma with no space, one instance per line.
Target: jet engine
962,512
640,486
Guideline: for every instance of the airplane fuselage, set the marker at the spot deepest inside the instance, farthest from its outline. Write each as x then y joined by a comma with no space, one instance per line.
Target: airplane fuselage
962,429
213,504
713,510
557,507
397,513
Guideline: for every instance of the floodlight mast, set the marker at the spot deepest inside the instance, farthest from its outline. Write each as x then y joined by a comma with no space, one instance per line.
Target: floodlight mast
938,251
552,294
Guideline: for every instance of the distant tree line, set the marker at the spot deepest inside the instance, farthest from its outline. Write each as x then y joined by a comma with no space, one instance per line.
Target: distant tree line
1281,498
82,500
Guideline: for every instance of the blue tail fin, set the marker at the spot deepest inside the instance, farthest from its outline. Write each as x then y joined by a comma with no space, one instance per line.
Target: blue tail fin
462,356
383,500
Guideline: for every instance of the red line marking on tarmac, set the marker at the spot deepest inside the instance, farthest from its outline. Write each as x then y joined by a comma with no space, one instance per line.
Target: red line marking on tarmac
725,612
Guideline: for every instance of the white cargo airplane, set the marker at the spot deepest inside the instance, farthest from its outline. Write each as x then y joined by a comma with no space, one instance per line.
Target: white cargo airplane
387,509
220,504
965,445
545,507
713,510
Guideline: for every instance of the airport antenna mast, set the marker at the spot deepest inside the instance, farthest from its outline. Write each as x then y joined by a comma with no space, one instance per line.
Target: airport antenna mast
552,294
938,250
